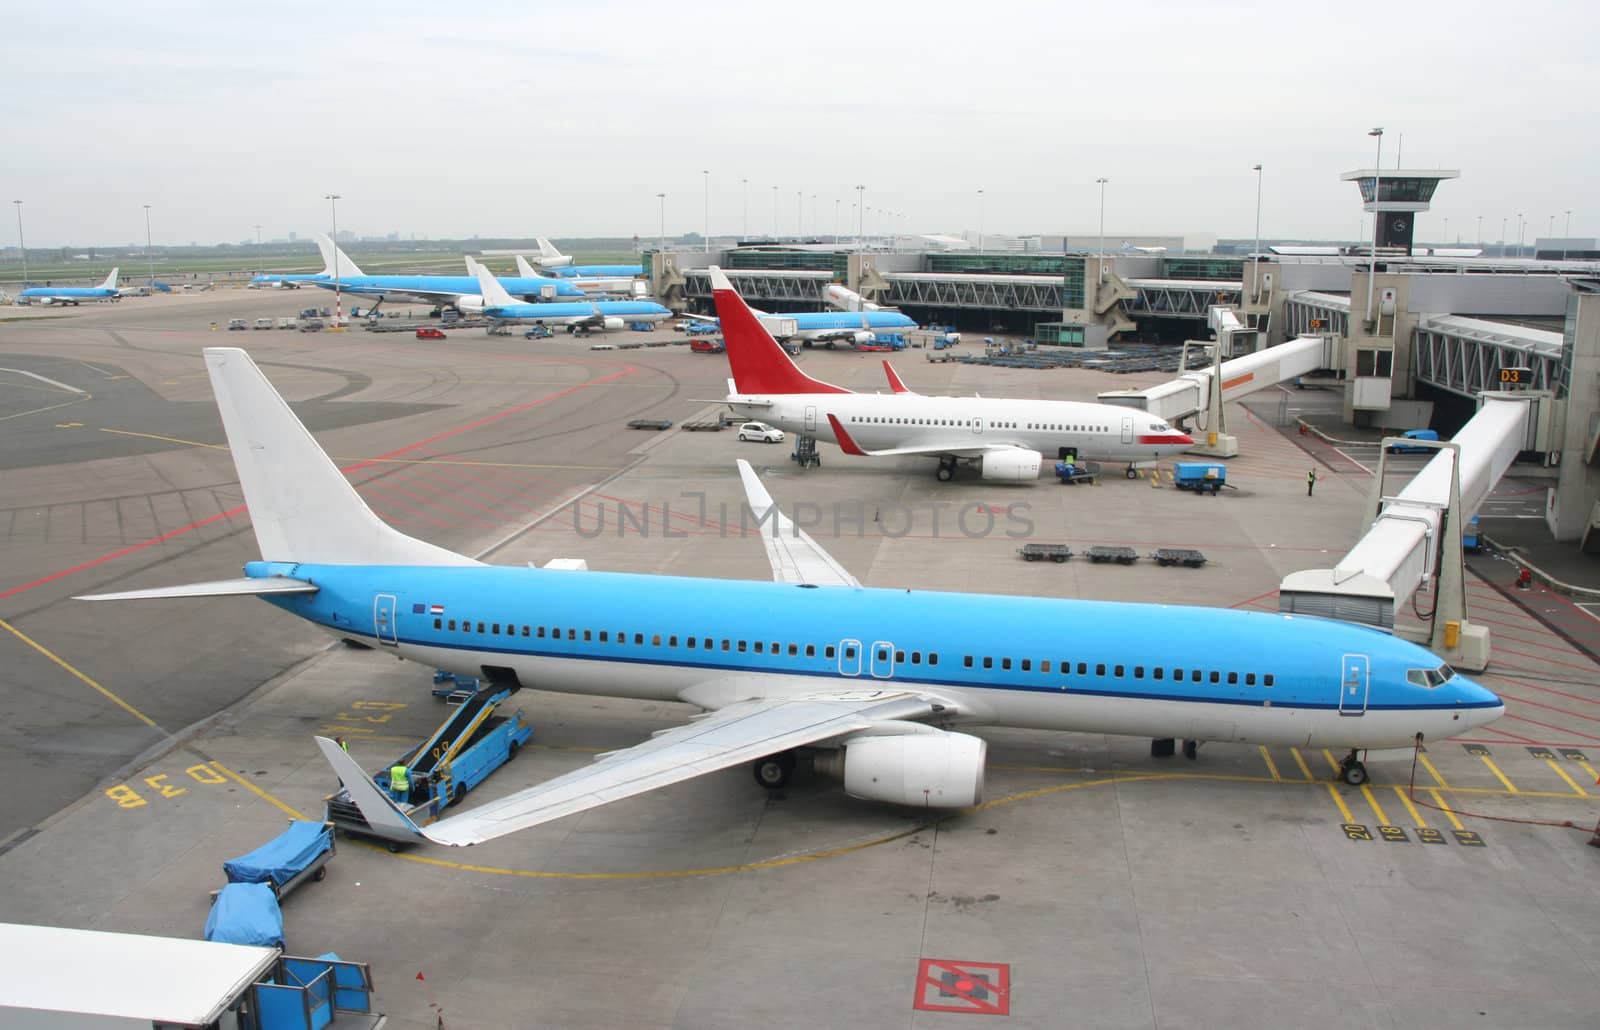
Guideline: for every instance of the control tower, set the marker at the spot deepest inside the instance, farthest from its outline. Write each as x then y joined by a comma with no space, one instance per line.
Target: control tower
1395,195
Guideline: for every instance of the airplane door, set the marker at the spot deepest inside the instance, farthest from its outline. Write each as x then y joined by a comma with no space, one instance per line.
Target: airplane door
383,619
811,418
1127,430
1355,680
882,659
849,657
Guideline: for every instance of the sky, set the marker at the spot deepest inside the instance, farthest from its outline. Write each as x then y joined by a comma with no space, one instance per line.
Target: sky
569,118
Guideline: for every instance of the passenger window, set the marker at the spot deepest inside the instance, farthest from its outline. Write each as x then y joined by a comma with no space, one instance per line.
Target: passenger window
480,627
588,635
760,645
1249,679
1194,676
555,631
988,663
916,657
1266,680
1215,678
638,638
1005,663
726,645
1233,677
1138,672
794,649
690,642
604,639
672,641
1099,670
524,631
655,640
494,629
1027,665
899,656
741,647
811,650
1083,668
1157,671
452,625
1117,672
828,652
933,658
883,654
437,624
539,633
967,661
1044,665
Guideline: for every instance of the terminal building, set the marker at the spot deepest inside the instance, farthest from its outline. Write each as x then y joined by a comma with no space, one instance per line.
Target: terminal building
1415,335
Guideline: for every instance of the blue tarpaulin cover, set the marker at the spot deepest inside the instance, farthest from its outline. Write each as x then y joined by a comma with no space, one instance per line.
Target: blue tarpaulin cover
246,913
280,858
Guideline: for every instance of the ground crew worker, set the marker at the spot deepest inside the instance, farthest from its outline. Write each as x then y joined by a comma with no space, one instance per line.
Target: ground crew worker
342,745
1311,481
399,784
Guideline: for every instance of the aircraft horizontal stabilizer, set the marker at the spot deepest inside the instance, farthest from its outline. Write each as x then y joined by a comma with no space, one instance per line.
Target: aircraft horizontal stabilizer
216,588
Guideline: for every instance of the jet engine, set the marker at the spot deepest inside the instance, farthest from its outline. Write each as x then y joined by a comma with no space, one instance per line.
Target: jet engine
1013,465
469,304
612,322
932,769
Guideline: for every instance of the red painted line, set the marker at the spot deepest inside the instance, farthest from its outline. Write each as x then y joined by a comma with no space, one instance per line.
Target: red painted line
62,574
1586,667
1558,729
1548,708
1253,600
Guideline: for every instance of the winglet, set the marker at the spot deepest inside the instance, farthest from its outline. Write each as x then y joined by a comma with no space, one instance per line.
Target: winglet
380,812
894,380
846,443
793,555
760,501
494,295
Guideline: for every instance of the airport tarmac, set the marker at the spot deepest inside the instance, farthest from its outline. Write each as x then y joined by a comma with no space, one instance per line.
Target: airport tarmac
1097,886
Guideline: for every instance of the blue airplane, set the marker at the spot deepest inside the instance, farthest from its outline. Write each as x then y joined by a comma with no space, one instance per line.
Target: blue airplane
880,684
459,291
556,263
500,306
71,294
828,327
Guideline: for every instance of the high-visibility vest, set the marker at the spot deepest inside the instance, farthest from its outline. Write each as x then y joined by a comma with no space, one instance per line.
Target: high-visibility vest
397,779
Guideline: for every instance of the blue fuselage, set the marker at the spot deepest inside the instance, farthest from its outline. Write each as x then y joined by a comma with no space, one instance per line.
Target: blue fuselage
1093,666
435,286
575,271
557,312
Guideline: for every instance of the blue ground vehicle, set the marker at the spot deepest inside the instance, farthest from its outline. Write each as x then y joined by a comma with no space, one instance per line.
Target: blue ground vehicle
1414,434
1469,536
460,754
1200,476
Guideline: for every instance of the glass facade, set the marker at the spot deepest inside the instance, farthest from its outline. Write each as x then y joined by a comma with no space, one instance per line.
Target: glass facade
1072,282
1401,189
1058,334
997,264
792,261
1218,269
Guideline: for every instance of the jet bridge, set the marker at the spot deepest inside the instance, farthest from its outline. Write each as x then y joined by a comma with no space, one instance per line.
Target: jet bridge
1415,535
1191,394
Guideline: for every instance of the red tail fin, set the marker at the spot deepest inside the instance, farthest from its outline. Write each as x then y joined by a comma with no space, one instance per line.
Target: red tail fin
759,365
894,379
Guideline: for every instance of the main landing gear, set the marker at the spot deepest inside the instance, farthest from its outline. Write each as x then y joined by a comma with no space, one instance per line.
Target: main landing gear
1166,747
774,771
947,470
1351,770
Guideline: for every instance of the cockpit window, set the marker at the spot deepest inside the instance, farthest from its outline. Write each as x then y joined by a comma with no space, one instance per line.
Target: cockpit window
1429,678
1160,427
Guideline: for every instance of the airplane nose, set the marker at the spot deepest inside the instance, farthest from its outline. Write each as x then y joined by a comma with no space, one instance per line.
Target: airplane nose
1483,705
1184,440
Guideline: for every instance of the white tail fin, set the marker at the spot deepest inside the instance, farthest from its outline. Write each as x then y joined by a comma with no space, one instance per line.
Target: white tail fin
494,295
111,280
526,270
472,266
549,256
345,267
302,507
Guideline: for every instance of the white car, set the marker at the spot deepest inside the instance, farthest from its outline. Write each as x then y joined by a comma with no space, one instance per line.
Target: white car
760,431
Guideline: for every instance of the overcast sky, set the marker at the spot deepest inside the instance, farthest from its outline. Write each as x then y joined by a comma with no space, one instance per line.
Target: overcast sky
566,119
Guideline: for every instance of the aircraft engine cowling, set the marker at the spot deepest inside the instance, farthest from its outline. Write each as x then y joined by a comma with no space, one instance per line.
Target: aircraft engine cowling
612,322
469,303
1014,465
925,770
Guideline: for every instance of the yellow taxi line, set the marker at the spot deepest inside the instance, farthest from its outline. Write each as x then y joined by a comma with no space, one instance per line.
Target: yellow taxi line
1272,767
1579,791
1498,774
1400,792
1344,809
1372,799
1439,802
1431,770
114,699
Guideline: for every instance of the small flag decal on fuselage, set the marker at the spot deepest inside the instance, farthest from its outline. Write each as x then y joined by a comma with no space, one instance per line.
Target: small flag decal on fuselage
429,609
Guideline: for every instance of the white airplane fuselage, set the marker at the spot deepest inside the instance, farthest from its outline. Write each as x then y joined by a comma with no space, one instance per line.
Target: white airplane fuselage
885,421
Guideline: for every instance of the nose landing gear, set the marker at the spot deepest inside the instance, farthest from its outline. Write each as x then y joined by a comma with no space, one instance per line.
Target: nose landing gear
1351,770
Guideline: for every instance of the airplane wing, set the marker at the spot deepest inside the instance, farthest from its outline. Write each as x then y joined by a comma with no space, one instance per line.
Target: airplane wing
795,557
742,731
848,444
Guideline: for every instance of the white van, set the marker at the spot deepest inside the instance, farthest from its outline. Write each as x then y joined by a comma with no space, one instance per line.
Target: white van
263,323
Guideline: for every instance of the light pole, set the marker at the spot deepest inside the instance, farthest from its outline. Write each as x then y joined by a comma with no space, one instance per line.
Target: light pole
1447,232
1255,258
980,219
1101,259
861,215
661,241
1503,222
1480,231
22,246
774,212
746,184
835,221
148,256
1566,234
258,249
338,296
800,213
705,214
1519,234
814,225
1377,195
